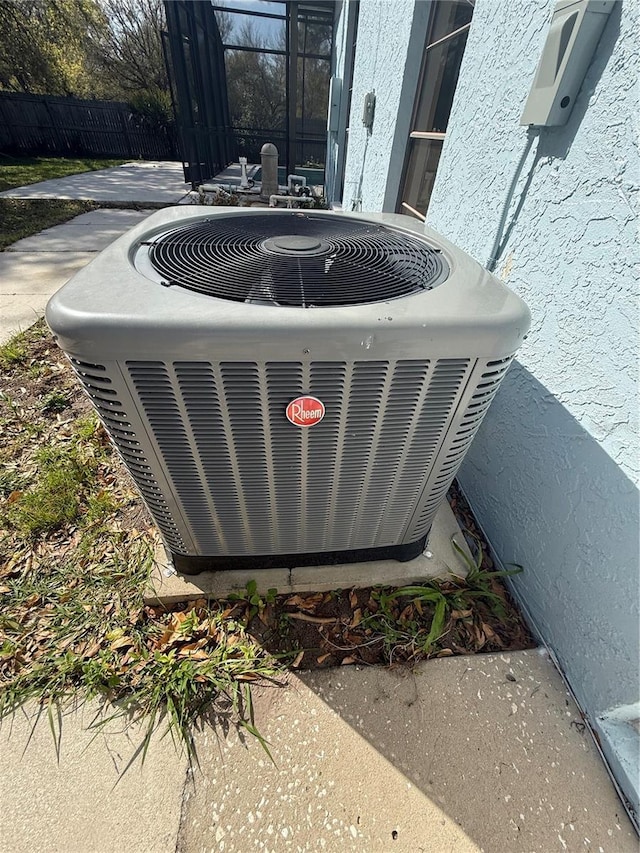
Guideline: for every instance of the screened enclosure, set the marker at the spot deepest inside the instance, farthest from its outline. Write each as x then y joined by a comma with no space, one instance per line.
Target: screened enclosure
246,73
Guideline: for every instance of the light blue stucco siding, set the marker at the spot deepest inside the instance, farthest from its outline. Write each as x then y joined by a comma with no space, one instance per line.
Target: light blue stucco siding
553,473
391,38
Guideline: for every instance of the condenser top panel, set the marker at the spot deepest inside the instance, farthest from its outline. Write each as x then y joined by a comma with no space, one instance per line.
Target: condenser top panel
302,260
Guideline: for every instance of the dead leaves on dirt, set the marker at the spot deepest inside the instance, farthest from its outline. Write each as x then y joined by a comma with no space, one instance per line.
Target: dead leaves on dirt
371,626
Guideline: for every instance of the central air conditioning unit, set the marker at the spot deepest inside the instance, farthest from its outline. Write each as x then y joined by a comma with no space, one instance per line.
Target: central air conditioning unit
288,388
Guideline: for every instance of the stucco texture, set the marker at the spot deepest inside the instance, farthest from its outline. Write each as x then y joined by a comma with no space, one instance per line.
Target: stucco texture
553,472
384,63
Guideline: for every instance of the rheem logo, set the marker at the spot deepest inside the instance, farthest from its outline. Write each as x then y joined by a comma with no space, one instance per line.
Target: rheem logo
305,411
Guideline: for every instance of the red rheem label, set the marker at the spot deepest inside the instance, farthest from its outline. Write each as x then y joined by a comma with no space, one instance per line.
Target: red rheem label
305,411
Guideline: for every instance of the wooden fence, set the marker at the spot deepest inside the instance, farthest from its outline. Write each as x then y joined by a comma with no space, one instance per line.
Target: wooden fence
47,124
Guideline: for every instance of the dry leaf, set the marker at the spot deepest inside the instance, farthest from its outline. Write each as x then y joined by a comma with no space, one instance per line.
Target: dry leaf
93,650
298,659
134,615
323,658
356,639
4,589
306,602
406,614
357,618
346,661
193,654
460,614
122,643
445,653
353,598
14,496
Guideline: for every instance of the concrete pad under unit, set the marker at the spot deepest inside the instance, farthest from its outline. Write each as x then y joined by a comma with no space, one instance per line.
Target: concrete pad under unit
166,587
484,753
73,805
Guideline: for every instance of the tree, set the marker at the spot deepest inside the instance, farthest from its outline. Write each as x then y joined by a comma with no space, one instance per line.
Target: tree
255,84
45,45
128,52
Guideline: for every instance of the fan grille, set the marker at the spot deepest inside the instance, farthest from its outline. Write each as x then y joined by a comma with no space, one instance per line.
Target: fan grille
296,259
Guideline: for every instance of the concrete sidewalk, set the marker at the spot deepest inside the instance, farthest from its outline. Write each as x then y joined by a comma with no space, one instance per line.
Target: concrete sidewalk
462,754
152,183
32,269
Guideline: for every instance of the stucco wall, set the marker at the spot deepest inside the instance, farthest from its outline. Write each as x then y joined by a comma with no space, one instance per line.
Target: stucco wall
391,35
553,473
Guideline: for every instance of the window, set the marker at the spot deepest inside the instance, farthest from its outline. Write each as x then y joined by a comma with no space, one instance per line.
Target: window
446,41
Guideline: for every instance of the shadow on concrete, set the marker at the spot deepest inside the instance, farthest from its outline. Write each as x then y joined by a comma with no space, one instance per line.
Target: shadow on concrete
572,520
492,740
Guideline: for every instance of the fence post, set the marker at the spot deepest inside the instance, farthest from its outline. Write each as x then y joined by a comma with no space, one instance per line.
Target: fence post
5,123
125,129
55,134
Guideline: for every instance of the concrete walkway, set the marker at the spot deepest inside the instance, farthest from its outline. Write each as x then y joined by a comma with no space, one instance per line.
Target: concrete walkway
155,184
463,754
32,269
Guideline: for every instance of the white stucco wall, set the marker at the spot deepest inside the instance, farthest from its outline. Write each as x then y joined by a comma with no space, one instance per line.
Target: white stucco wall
391,36
553,474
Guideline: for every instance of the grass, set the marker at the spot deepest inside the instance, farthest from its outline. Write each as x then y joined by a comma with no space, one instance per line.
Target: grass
414,620
21,171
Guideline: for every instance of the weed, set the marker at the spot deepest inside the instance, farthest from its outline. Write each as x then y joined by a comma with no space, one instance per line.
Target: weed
255,601
415,618
13,353
55,401
55,498
10,481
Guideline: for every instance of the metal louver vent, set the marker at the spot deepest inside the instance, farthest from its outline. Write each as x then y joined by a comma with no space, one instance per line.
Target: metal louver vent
492,373
295,260
250,484
98,386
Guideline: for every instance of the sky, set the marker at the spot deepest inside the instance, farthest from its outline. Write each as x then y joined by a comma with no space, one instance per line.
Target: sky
268,27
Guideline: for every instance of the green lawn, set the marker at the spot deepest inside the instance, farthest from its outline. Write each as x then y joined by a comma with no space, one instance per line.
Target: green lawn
20,171
22,217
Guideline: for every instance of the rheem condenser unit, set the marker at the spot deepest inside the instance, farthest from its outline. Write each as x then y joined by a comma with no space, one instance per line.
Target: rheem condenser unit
288,387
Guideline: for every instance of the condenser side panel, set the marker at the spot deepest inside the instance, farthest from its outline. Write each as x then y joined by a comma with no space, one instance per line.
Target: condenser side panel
480,390
118,412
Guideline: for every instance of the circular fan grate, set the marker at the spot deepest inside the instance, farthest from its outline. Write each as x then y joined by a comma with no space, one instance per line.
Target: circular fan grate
296,259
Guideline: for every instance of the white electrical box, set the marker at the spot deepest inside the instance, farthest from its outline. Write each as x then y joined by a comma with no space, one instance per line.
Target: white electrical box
576,27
